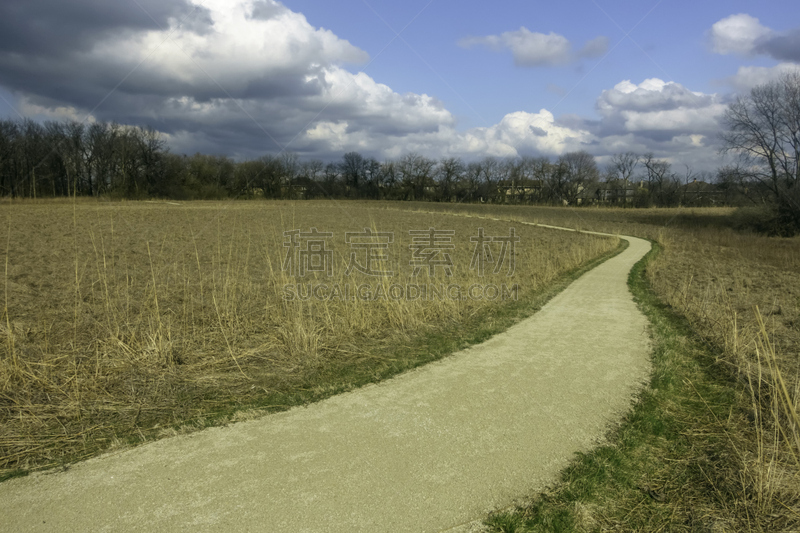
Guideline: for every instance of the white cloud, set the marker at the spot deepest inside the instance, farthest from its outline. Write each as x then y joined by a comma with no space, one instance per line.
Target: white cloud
238,52
362,97
257,77
665,118
522,132
56,112
516,134
675,119
655,100
737,34
282,76
656,105
531,49
748,77
744,35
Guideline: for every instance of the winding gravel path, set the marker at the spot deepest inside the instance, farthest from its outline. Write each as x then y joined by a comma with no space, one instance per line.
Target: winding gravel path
430,450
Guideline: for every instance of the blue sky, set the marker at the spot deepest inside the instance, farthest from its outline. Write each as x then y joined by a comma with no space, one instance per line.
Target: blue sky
467,79
666,40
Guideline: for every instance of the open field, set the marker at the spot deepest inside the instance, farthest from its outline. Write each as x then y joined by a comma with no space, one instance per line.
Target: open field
128,321
429,450
723,408
106,340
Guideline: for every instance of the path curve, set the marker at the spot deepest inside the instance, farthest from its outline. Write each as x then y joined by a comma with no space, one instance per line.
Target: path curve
429,450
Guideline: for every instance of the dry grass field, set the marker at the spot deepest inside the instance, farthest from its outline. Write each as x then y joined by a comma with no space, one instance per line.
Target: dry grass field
125,321
740,292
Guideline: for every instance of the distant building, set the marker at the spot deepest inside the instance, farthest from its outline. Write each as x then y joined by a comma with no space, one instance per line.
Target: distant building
520,190
612,192
700,193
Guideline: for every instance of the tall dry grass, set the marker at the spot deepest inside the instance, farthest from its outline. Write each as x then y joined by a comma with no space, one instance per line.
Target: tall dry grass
742,292
121,318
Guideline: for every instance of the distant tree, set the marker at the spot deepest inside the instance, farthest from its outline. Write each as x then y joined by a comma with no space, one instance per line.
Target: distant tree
576,172
270,177
472,181
449,173
390,180
245,175
331,180
731,180
763,129
353,172
312,173
492,173
663,186
371,187
9,133
290,170
536,171
623,166
416,173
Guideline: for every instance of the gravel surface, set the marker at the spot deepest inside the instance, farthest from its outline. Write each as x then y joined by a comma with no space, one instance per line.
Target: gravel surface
433,449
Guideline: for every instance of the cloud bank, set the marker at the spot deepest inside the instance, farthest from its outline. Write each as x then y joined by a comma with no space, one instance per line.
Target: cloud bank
744,35
248,77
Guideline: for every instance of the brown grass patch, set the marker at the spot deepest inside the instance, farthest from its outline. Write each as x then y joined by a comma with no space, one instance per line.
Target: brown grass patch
128,319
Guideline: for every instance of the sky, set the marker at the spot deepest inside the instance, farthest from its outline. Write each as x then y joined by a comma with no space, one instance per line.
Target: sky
439,78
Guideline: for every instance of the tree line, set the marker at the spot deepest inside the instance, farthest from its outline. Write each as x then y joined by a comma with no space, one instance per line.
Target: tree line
69,158
106,159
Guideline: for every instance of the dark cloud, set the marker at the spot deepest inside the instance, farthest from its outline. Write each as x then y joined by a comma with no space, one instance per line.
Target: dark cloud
266,9
48,47
59,28
264,79
161,66
784,47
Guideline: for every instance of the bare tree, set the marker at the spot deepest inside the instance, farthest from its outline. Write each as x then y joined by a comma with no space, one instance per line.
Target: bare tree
534,172
577,171
9,133
472,180
491,175
352,168
245,178
730,179
624,165
417,175
663,186
331,179
312,172
763,129
372,173
390,179
449,172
